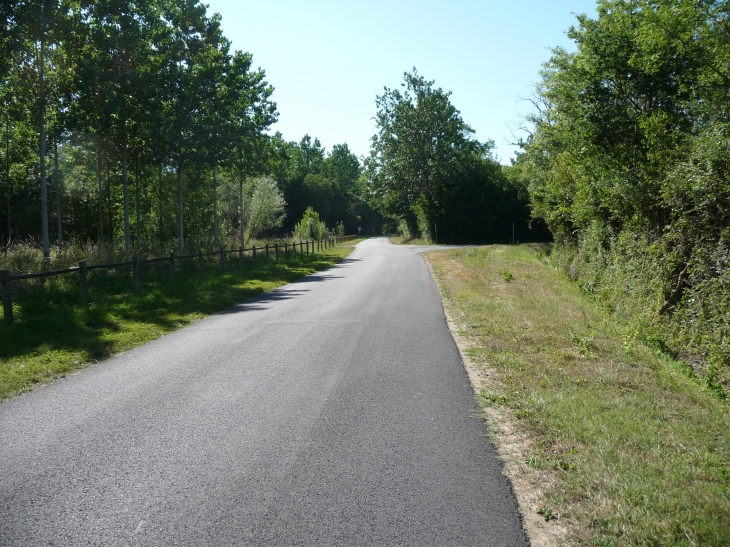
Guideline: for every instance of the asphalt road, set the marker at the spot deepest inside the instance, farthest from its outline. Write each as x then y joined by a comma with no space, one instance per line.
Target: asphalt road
333,411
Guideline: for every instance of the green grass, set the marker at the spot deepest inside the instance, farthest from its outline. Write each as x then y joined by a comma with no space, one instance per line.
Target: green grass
628,449
53,336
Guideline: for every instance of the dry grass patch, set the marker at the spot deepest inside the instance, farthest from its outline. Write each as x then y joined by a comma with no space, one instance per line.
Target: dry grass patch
612,443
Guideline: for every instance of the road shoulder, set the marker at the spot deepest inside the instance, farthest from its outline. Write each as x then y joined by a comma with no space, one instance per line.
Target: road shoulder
527,483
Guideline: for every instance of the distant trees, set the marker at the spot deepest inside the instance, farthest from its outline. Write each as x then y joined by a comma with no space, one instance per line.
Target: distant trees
425,168
330,183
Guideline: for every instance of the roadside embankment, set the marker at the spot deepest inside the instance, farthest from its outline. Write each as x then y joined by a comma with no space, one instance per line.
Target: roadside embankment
606,440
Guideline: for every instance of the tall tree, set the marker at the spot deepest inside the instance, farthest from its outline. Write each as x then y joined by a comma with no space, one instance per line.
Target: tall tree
251,113
421,149
190,31
119,59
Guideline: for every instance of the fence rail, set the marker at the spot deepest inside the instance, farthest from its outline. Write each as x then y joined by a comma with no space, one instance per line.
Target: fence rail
304,249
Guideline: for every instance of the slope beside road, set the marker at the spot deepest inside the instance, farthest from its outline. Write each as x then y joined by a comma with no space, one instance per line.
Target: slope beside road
332,411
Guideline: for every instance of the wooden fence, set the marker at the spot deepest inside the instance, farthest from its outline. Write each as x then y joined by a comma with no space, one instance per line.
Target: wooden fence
305,248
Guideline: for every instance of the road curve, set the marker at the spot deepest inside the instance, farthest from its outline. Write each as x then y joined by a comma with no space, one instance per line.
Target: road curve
333,411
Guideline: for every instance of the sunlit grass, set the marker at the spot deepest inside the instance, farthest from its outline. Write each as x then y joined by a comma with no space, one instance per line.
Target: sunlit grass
403,240
53,335
637,453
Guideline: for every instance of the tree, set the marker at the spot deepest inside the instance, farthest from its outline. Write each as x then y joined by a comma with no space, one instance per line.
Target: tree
194,39
425,168
421,138
310,227
266,207
251,113
343,168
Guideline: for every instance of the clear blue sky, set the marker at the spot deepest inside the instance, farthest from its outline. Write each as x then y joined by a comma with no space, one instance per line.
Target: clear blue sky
328,59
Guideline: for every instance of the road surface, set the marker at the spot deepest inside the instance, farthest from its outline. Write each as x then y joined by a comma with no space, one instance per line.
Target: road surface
333,411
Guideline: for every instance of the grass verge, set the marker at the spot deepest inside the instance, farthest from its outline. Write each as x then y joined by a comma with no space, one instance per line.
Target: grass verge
403,240
53,337
615,443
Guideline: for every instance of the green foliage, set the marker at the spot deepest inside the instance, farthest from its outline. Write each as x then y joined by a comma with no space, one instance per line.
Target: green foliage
266,209
427,170
158,126
628,166
145,100
310,227
328,182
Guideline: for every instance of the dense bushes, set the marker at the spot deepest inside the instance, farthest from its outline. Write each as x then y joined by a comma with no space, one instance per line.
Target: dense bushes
629,166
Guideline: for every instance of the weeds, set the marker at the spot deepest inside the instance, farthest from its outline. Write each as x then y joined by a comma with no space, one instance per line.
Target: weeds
507,276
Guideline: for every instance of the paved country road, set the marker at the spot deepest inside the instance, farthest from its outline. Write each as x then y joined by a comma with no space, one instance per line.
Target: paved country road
333,411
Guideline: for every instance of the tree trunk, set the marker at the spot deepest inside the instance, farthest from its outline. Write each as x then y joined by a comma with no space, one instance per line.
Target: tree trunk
136,204
240,189
59,192
111,210
215,208
159,216
99,160
42,156
125,192
7,171
412,223
180,238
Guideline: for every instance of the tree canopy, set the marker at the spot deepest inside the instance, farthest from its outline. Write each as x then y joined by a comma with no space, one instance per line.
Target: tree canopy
627,162
149,129
427,169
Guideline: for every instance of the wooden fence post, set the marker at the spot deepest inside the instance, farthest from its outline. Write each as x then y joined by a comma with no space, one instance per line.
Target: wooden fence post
307,242
286,251
240,258
276,250
253,254
223,261
7,297
201,265
172,267
135,273
83,287
268,258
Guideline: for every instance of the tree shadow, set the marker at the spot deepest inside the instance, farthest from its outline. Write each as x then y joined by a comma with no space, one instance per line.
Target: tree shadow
58,323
